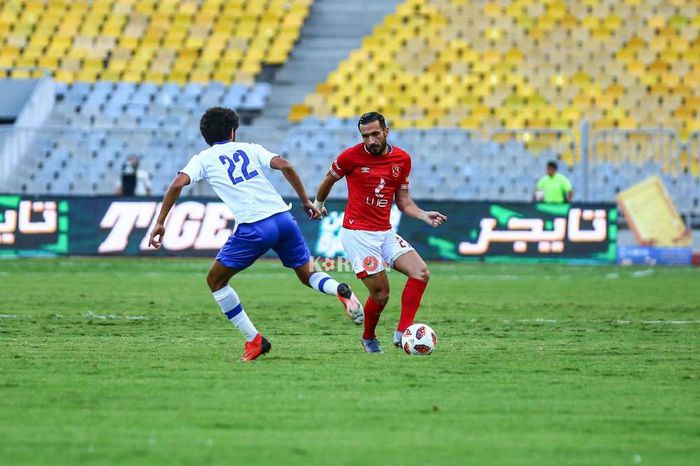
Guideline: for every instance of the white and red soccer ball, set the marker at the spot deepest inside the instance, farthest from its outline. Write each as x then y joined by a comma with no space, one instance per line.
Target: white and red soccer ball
419,340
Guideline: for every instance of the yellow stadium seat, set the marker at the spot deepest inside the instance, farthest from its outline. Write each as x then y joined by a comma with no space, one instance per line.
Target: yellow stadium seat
556,98
64,76
223,75
154,77
87,75
298,112
244,77
199,76
131,75
48,62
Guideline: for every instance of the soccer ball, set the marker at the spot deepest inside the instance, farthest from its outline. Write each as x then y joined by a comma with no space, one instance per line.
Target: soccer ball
419,339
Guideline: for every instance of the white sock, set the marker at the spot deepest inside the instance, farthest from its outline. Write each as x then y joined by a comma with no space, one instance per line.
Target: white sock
231,306
321,281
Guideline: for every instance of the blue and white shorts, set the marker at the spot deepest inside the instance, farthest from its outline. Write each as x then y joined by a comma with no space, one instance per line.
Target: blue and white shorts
278,232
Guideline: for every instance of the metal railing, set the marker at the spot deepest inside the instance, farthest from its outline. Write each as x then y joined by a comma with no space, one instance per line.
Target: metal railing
692,154
638,146
561,142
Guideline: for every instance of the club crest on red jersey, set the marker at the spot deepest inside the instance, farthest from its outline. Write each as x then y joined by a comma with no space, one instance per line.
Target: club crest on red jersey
395,171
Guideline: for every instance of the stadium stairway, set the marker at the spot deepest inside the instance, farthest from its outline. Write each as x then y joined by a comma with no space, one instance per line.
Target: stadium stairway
328,35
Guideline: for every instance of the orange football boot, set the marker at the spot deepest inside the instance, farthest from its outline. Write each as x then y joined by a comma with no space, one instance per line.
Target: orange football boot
259,345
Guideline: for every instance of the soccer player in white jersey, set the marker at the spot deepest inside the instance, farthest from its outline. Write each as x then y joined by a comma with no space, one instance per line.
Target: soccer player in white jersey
236,173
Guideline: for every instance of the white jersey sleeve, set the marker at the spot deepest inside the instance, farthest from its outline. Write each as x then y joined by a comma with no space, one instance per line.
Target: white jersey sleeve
264,155
194,169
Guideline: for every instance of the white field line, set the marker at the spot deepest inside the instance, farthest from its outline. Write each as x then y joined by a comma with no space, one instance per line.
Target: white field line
87,315
660,322
203,273
675,322
528,321
508,278
645,322
92,315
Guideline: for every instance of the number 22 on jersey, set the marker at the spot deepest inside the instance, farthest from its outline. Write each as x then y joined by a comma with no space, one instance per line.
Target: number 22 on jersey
237,157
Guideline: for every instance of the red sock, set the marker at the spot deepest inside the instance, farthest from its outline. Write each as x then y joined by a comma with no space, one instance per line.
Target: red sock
372,312
410,300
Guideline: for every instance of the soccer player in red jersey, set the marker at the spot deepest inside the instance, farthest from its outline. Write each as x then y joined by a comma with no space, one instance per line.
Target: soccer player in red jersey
377,173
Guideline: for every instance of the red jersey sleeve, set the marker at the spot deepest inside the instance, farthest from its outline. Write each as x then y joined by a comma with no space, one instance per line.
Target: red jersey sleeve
403,181
342,165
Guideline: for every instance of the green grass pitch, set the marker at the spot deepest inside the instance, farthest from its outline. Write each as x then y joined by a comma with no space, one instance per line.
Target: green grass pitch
118,361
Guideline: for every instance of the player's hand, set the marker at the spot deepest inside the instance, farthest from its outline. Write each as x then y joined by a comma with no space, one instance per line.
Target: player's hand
311,210
156,237
321,207
434,219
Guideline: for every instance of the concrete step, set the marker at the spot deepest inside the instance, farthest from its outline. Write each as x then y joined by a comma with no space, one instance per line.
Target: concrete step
333,29
320,54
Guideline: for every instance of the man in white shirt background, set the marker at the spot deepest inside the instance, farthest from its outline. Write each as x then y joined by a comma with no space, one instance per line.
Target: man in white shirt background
135,181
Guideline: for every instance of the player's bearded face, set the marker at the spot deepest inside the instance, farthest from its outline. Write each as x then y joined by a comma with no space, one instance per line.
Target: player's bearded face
374,137
377,148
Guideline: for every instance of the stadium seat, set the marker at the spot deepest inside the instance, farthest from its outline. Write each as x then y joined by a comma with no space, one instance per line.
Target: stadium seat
137,41
562,60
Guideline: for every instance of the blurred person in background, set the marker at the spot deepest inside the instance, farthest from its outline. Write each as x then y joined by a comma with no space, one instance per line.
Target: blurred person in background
134,181
553,188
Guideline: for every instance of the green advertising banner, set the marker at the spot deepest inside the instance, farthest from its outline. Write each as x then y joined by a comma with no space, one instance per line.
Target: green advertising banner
491,231
31,226
488,231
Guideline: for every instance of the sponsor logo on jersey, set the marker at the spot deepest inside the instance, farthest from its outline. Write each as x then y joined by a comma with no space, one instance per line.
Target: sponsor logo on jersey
364,169
380,186
378,199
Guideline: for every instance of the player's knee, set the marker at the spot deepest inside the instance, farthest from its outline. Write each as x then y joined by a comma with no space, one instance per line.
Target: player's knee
380,297
305,279
423,274
215,283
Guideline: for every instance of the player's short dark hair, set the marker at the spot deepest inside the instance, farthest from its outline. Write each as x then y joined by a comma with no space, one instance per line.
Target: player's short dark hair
369,117
552,164
217,123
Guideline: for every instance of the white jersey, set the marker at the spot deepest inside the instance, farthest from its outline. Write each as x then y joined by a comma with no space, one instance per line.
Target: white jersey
234,170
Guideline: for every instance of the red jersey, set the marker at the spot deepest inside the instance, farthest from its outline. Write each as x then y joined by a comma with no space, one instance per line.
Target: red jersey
372,182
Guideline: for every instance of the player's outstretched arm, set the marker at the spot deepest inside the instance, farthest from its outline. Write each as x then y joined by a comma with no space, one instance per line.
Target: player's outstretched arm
292,177
409,207
323,191
171,196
